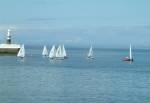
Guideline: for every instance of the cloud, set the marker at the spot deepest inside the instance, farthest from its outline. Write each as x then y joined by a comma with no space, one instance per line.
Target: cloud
74,40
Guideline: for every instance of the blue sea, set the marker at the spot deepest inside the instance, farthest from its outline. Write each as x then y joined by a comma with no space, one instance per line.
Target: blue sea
105,79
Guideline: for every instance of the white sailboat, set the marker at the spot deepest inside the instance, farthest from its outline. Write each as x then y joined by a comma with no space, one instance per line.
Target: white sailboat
90,54
64,51
130,53
21,52
130,58
59,53
52,53
45,51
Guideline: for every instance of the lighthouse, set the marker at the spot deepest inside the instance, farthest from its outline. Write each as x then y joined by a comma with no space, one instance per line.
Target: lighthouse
8,39
8,47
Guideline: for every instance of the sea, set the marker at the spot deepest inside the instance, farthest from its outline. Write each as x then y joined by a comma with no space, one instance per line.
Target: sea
105,79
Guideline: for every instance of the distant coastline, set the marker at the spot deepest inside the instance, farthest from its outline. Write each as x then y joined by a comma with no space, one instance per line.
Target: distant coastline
86,47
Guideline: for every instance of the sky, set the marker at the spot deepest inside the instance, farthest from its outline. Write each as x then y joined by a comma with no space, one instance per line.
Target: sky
101,23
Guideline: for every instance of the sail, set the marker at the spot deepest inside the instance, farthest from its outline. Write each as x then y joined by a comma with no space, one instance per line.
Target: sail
59,53
90,54
45,51
52,53
64,51
21,52
130,52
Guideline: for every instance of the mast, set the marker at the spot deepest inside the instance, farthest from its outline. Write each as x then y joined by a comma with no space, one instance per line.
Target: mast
8,39
90,54
64,51
130,54
59,52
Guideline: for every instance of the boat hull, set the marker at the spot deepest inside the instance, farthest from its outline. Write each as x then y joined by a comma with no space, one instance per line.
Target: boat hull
52,57
61,58
90,57
127,59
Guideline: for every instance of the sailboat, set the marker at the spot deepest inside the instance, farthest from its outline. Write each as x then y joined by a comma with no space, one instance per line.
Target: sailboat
21,52
91,54
64,52
45,51
52,53
130,58
59,53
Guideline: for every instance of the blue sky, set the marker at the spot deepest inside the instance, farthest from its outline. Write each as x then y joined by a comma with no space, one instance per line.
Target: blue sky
111,23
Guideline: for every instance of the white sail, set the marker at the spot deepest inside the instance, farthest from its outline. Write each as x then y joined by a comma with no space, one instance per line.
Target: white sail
130,52
45,51
21,52
64,51
59,53
52,53
90,54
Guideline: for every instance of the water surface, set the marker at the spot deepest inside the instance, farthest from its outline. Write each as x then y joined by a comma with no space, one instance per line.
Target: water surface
106,79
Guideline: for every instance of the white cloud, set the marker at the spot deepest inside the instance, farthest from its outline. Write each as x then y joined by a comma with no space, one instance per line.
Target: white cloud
74,40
